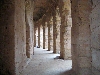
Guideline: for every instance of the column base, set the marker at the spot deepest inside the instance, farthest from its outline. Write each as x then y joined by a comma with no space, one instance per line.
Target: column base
38,46
69,58
48,50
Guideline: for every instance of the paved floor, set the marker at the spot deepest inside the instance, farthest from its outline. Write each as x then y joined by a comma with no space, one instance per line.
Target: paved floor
46,63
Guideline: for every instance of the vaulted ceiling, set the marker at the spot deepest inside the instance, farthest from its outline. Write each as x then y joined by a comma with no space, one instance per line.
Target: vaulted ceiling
42,7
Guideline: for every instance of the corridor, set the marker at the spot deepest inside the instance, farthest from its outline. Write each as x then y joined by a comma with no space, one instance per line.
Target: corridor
71,28
46,63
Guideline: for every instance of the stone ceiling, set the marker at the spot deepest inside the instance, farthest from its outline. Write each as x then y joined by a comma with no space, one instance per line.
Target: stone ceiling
42,7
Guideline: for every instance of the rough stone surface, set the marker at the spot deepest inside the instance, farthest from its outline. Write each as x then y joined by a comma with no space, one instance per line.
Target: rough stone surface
23,42
41,36
81,37
48,23
7,40
95,37
35,36
65,29
51,34
20,36
46,36
54,32
13,40
58,22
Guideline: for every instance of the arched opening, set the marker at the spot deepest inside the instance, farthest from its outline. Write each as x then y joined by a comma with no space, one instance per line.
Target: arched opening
57,31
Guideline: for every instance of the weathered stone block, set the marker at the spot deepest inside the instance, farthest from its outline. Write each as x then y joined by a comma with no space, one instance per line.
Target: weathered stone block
84,62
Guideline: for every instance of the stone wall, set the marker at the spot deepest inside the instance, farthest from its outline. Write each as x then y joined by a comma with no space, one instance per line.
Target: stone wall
13,36
95,37
20,36
81,51
23,33
7,55
85,49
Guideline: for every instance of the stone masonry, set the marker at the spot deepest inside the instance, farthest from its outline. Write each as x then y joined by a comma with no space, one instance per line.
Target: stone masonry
68,27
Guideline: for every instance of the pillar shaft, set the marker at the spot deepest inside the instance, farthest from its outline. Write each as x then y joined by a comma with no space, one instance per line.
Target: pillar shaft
28,54
58,33
51,34
81,37
67,43
48,36
34,37
38,36
61,40
65,36
43,37
54,34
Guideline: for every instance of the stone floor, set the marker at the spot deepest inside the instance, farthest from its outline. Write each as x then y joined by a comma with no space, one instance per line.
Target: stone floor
46,63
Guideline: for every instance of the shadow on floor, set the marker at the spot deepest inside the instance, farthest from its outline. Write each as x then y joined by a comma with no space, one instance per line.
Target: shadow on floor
49,53
69,72
57,57
46,63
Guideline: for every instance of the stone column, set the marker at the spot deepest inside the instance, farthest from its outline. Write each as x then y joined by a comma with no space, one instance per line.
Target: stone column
43,35
58,23
34,37
51,33
58,36
67,43
48,36
38,36
60,5
54,33
65,34
81,34
28,40
61,40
